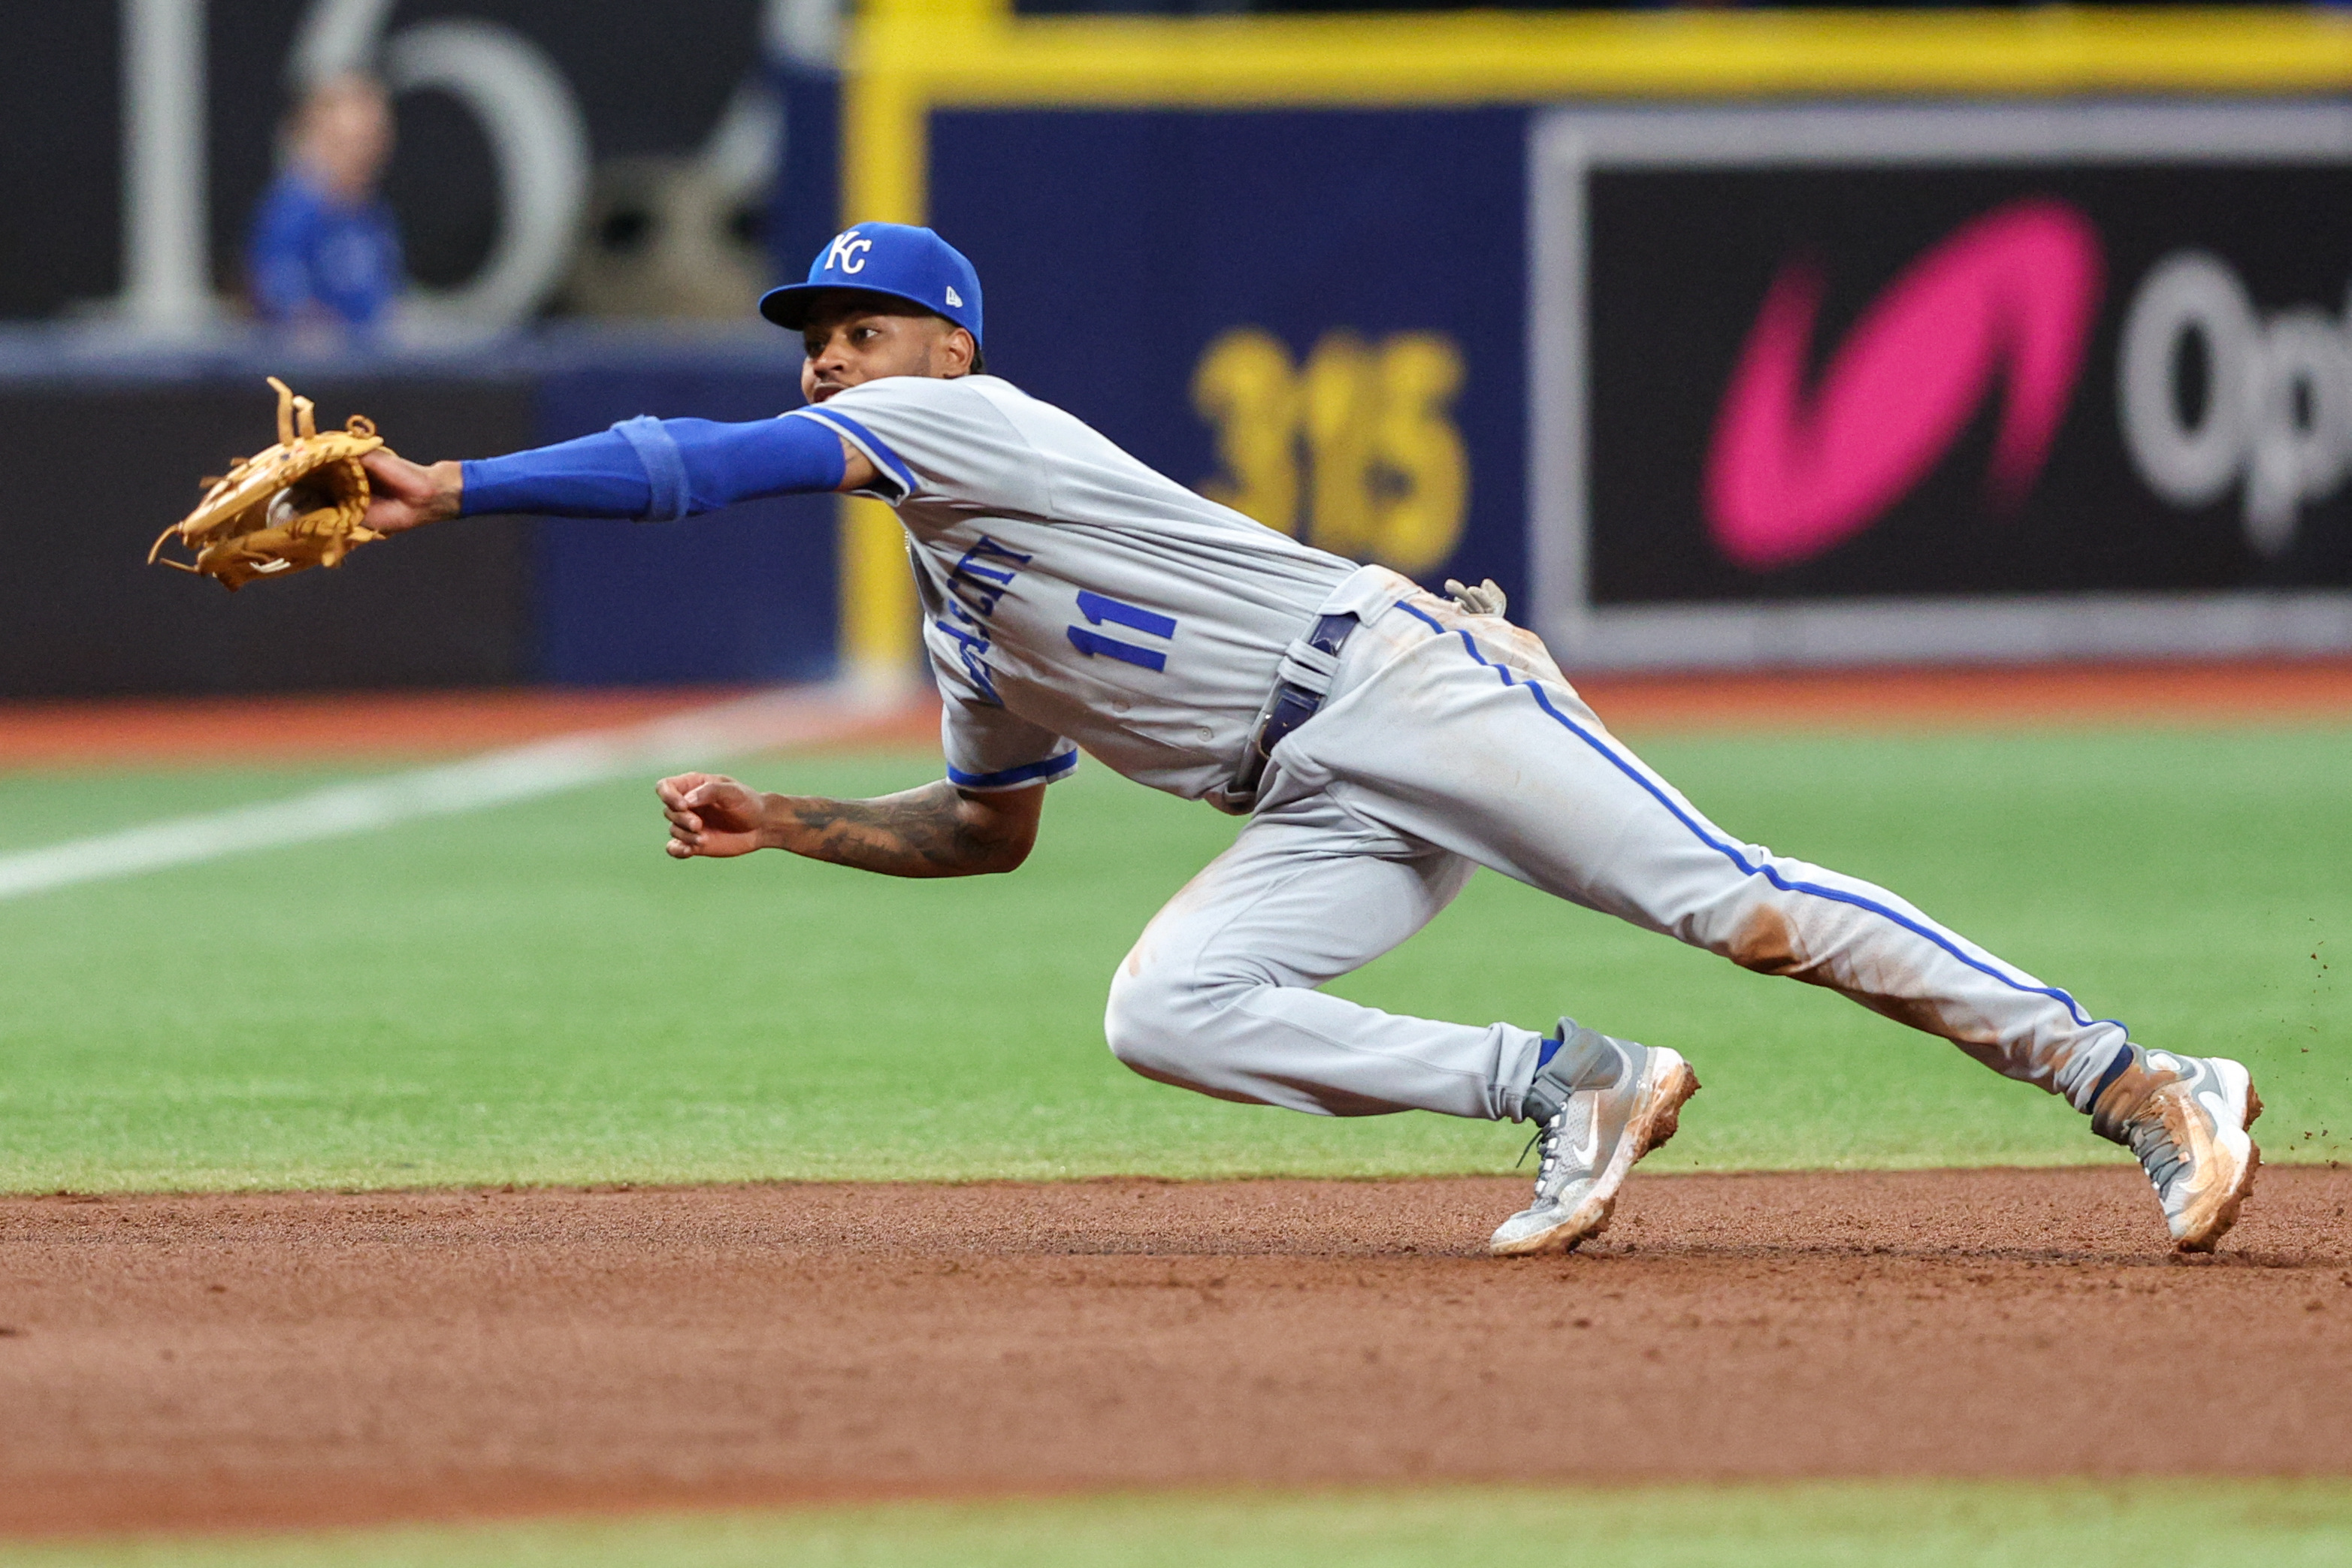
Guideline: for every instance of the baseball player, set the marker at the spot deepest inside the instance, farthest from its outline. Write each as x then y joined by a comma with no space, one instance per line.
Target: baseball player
1383,741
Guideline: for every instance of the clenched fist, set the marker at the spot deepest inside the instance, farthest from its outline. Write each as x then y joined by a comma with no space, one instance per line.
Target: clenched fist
711,814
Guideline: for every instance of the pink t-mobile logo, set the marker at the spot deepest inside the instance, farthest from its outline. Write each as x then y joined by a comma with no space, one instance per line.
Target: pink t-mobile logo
1790,476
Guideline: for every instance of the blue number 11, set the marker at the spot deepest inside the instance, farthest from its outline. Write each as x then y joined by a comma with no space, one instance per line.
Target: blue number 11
1098,610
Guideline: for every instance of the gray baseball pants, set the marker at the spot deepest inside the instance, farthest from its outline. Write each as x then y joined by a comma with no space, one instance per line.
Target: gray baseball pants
1449,742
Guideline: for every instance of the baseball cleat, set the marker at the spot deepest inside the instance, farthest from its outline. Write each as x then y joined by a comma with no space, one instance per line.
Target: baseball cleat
1590,1143
2186,1117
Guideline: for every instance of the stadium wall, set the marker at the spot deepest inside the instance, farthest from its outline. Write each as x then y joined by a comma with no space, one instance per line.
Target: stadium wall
1484,295
748,595
1466,293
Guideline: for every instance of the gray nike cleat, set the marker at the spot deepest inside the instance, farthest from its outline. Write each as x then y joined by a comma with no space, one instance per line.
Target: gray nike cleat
1601,1104
2186,1118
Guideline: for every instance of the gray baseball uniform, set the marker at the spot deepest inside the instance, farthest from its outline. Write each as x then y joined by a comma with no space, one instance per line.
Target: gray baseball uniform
1075,598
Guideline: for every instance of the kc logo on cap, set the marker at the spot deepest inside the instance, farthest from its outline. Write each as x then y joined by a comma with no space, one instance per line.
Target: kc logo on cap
844,251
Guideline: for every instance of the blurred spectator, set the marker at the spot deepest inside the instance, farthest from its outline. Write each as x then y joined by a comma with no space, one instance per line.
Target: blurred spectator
324,253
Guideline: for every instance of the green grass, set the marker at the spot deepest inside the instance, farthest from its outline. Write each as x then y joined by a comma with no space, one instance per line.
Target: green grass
1943,1524
534,993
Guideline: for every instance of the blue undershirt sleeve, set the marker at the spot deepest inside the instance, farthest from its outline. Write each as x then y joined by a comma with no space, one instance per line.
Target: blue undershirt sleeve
658,470
597,475
725,463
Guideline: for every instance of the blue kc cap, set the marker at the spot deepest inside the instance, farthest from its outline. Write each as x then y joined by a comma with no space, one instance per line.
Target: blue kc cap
897,259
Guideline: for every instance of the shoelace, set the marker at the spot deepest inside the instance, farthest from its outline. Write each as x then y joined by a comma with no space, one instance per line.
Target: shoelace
2158,1155
2150,1141
1549,1136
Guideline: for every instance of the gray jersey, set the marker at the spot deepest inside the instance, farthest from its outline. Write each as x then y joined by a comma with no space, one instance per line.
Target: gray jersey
1073,596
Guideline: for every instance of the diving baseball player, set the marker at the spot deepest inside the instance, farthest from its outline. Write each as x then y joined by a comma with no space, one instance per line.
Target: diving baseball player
1383,741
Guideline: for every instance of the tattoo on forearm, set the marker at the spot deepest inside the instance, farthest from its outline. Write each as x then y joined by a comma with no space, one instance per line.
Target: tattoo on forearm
921,832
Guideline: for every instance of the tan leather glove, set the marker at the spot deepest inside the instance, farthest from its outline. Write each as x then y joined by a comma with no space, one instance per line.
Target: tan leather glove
297,505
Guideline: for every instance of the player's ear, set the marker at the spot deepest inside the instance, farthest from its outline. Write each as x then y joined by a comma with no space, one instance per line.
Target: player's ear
959,350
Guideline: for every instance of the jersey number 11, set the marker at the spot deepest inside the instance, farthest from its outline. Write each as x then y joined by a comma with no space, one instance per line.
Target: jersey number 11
1098,610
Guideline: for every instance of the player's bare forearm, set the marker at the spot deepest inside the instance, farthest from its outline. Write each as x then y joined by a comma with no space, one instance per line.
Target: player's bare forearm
935,830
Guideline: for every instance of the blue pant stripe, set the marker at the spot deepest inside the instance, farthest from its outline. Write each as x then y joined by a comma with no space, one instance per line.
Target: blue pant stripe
1747,867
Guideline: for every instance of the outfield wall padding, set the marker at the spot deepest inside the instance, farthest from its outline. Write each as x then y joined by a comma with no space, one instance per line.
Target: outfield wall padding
100,466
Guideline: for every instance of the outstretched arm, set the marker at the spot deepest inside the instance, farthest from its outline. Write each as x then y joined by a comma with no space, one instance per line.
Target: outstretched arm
648,469
938,829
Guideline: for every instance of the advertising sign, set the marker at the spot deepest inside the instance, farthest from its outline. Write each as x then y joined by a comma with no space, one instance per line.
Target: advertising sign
1997,383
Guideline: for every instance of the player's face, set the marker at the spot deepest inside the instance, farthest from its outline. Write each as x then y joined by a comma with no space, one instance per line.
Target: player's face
852,341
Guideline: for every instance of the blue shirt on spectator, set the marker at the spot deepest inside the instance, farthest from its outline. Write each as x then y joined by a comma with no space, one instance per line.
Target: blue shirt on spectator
310,248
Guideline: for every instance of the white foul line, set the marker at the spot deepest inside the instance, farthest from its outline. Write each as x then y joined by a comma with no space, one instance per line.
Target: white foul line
758,723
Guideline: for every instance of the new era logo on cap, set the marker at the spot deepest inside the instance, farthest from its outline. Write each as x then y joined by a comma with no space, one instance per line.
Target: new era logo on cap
953,298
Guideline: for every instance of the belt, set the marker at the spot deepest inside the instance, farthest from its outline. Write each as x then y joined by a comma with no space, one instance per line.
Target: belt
1307,667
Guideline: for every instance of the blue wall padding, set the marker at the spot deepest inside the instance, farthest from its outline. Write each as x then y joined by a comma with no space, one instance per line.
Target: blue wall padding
806,209
1116,246
746,594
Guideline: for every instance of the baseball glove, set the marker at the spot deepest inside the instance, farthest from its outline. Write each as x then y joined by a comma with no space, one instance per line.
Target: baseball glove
297,505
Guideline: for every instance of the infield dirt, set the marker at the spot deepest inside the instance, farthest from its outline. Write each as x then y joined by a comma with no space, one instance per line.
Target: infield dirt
224,1361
